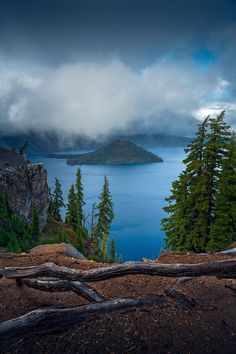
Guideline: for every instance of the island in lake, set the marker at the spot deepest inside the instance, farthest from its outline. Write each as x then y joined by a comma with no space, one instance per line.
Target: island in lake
117,152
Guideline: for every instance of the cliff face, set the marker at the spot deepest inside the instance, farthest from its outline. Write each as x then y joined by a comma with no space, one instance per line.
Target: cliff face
24,184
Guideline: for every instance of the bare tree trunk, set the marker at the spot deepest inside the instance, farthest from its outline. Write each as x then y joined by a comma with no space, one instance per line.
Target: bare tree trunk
64,285
221,269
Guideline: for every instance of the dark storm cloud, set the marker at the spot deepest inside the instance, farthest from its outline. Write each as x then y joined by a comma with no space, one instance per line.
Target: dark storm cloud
95,67
62,30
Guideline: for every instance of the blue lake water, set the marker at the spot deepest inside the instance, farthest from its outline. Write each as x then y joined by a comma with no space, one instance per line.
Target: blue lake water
138,193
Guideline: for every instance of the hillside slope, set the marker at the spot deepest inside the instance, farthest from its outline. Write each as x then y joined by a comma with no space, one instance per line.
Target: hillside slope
118,152
206,326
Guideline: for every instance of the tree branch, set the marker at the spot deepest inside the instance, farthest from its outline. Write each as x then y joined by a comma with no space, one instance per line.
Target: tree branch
53,319
220,268
64,285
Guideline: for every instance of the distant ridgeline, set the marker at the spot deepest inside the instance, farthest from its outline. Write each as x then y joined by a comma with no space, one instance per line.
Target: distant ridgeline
52,141
117,152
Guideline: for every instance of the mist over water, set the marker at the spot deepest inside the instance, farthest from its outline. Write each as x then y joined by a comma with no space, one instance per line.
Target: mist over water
138,193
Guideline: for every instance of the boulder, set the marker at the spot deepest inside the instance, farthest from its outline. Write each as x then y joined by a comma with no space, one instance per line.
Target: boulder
64,249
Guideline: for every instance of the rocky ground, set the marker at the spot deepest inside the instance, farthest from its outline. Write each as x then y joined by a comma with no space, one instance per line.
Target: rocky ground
209,326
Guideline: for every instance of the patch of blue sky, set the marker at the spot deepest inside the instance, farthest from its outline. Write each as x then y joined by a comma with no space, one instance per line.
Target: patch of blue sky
204,58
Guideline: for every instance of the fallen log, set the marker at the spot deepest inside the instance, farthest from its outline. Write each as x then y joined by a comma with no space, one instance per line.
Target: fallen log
53,319
219,268
63,285
181,299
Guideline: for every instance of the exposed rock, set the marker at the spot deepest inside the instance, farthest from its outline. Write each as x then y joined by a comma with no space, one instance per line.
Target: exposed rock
63,248
24,184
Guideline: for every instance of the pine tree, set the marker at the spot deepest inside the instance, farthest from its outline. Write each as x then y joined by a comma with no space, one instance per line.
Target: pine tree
93,222
13,244
193,201
215,153
105,213
23,148
112,251
80,198
35,224
104,246
57,201
181,227
176,226
120,260
223,231
71,212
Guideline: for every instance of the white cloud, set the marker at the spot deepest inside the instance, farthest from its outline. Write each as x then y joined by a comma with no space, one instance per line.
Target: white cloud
96,98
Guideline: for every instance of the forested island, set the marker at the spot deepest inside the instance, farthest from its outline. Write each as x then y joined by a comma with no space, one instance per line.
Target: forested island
117,152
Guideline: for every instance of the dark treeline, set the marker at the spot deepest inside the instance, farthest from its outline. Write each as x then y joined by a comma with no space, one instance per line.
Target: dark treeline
202,206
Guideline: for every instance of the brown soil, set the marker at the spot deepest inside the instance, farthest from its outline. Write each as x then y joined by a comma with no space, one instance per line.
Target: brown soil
208,327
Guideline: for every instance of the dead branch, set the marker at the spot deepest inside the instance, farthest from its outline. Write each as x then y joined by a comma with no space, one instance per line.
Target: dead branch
53,319
64,285
219,268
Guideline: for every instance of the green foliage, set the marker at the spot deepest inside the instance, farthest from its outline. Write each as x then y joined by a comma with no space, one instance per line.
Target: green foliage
105,213
112,251
35,224
15,234
120,260
13,244
93,221
80,239
94,245
56,202
80,198
223,231
104,247
71,211
195,200
59,237
23,148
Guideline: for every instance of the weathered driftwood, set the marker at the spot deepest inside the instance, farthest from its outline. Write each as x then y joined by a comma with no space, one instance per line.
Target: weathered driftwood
220,268
64,285
54,319
180,298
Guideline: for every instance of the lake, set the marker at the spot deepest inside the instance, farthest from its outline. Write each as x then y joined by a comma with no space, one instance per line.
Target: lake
138,193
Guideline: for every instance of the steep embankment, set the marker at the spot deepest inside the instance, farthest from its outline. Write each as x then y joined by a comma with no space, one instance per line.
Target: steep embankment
24,184
205,324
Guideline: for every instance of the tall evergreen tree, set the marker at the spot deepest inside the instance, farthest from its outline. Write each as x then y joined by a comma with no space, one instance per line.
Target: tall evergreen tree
192,203
215,153
93,225
57,201
181,227
71,211
105,213
223,230
80,198
112,251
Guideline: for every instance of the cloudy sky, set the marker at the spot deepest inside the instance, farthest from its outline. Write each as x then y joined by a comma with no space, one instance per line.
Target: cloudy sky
97,67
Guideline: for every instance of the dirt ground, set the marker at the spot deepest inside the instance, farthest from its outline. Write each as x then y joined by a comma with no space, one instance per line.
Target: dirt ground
207,327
